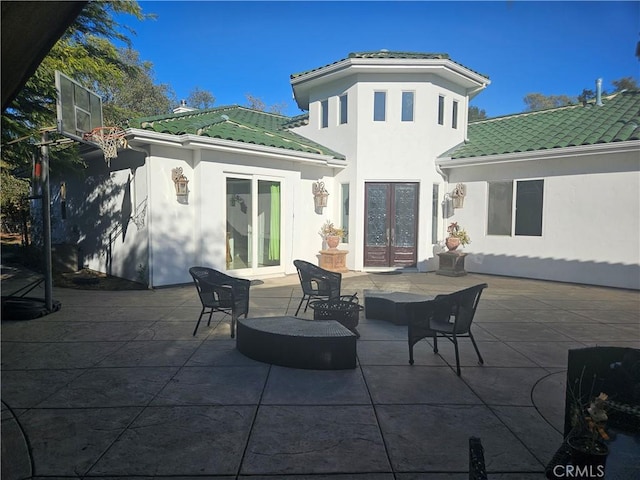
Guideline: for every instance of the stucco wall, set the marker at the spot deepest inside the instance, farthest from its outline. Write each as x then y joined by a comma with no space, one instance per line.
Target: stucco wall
591,221
388,151
193,232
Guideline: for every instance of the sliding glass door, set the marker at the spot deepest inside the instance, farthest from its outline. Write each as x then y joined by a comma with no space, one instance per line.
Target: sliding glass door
253,208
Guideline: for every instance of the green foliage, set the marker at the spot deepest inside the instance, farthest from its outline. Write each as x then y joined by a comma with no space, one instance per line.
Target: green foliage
14,203
624,83
475,113
538,101
85,52
201,99
136,95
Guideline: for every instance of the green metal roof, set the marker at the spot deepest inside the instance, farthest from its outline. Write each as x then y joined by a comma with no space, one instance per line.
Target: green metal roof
380,54
237,124
617,120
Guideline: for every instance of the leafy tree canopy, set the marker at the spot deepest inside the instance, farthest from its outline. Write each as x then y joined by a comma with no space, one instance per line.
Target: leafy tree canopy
201,99
539,101
475,113
257,103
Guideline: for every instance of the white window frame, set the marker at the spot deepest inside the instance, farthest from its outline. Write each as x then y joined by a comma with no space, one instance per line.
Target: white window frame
455,110
513,206
441,105
413,106
343,110
324,113
384,105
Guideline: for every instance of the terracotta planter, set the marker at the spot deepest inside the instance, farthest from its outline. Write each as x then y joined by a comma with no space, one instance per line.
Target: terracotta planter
452,243
332,241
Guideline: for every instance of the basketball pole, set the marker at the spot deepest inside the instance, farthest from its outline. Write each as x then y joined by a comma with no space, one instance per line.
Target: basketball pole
46,222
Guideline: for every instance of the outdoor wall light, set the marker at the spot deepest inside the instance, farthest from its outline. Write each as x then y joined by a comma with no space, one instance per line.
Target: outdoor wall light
320,195
181,182
458,195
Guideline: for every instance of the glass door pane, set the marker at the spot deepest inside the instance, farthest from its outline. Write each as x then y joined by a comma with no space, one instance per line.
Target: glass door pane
405,201
239,223
268,223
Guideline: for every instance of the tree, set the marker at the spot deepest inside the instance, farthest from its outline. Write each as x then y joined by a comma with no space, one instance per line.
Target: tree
201,99
625,83
538,101
84,52
257,103
135,96
254,102
476,113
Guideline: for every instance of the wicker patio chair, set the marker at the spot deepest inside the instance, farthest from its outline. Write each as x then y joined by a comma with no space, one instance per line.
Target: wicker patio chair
447,315
219,292
317,283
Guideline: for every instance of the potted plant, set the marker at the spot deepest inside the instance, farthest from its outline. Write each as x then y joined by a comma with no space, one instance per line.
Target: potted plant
331,234
457,236
586,439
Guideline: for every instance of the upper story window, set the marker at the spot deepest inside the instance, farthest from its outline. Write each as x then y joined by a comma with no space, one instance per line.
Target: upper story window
343,109
454,115
379,106
407,106
324,113
440,110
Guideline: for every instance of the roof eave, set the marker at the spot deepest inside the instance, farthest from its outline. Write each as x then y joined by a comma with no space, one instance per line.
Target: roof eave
301,85
139,137
447,163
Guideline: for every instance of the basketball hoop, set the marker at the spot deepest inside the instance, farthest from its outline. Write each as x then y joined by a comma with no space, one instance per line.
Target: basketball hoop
108,140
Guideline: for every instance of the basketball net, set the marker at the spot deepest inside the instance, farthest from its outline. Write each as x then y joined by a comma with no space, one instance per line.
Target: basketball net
108,140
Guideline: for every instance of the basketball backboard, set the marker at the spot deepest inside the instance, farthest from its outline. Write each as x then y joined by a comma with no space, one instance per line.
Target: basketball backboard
79,109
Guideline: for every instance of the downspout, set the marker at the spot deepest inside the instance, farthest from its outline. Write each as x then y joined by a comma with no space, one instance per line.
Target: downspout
445,177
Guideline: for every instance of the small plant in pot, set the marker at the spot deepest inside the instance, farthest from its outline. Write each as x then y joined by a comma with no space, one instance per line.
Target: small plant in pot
588,434
331,234
457,236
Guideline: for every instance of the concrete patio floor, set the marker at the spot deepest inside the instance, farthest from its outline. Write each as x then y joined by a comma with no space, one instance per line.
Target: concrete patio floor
114,385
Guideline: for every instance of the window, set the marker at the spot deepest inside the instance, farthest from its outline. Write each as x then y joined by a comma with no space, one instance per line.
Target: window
454,115
407,106
528,208
344,217
379,106
343,109
440,110
324,113
434,213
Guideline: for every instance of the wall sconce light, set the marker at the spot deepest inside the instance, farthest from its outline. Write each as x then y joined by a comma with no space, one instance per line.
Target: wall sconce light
458,195
181,182
320,195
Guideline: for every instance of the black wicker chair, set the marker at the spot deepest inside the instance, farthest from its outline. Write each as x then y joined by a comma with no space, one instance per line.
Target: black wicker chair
449,316
317,283
219,292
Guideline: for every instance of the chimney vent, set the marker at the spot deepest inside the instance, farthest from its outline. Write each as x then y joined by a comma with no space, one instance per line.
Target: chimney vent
599,92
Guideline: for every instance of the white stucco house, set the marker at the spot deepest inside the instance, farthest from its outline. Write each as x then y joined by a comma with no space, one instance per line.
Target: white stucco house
547,194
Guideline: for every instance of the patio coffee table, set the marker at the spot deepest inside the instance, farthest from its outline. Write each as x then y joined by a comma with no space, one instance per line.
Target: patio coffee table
297,343
390,306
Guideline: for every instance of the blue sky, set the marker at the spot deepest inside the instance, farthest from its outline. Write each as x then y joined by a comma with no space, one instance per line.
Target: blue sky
234,48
